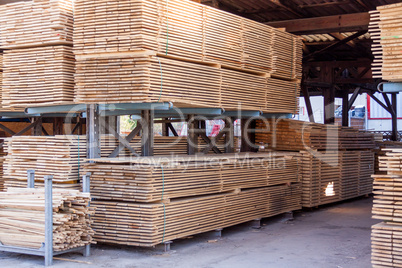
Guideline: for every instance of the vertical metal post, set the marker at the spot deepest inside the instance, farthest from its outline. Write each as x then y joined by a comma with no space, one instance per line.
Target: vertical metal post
93,134
48,221
147,137
345,108
192,139
86,188
394,118
31,178
229,135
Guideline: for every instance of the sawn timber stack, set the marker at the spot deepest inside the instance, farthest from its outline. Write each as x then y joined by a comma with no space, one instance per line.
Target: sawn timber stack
147,201
185,53
150,179
22,218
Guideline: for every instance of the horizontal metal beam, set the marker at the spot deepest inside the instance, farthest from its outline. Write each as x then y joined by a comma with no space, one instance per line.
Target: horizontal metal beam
327,24
242,114
124,108
277,115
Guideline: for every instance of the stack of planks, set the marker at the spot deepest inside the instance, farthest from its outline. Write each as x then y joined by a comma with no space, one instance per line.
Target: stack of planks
22,218
147,201
60,156
32,74
148,51
39,60
336,176
337,162
385,26
1,75
386,236
150,179
293,135
141,77
149,224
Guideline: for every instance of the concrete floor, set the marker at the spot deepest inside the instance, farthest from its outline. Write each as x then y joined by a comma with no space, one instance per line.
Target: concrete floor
332,236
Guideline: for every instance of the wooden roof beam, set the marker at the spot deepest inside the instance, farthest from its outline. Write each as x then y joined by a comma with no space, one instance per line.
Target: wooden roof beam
328,24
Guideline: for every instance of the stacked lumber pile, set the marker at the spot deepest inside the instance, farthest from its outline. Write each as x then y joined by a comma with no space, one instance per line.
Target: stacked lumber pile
33,76
336,176
152,179
149,224
2,154
293,135
337,162
386,28
386,236
22,218
39,61
379,152
146,201
36,23
140,77
159,51
60,156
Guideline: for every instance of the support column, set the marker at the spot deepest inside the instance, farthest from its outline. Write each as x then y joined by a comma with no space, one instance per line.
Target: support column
394,118
147,137
48,221
37,129
248,135
93,132
229,135
345,108
192,138
329,105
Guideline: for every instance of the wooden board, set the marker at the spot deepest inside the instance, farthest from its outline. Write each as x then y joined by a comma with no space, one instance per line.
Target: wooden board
38,76
22,218
182,28
294,135
139,224
36,23
335,176
153,180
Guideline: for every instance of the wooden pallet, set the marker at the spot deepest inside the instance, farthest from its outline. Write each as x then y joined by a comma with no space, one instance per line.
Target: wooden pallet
335,176
185,29
386,25
152,179
36,23
139,224
386,245
22,218
38,76
294,135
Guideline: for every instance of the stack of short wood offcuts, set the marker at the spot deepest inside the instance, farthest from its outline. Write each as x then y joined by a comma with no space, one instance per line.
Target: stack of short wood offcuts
386,237
337,162
386,31
151,200
38,60
22,218
183,52
60,156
